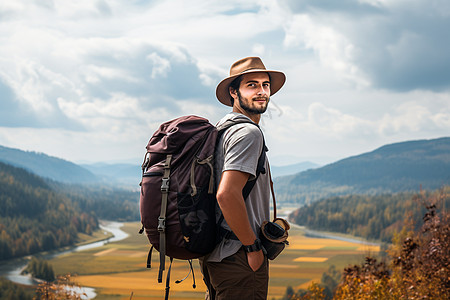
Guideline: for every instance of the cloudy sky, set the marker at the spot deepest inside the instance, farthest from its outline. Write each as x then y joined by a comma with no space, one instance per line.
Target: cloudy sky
90,80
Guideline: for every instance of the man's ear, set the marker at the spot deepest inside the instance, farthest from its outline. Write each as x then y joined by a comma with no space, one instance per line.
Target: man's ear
233,92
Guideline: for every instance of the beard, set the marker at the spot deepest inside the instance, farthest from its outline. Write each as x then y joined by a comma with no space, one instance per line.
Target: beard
252,110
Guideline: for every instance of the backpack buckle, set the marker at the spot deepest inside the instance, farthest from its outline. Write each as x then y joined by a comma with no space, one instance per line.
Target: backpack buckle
165,185
161,224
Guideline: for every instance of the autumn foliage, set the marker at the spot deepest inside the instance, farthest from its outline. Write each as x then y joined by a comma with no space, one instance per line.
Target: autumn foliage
418,265
63,288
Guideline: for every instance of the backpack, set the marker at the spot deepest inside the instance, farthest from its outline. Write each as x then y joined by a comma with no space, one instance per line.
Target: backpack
177,199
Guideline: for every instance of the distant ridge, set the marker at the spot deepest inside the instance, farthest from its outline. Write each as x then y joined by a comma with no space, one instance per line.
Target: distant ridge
291,169
405,166
122,174
47,166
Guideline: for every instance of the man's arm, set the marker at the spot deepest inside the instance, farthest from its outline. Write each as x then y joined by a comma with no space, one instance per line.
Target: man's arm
231,202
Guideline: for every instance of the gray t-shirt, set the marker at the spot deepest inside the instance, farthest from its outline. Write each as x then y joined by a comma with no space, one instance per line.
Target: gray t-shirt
239,149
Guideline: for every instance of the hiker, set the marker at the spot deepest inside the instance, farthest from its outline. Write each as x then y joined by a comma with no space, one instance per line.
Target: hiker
238,268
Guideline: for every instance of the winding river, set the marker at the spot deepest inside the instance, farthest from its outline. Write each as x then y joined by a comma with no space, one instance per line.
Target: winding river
12,270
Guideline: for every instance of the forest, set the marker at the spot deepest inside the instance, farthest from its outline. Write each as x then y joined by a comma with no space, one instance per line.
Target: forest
38,214
33,217
105,202
371,217
417,264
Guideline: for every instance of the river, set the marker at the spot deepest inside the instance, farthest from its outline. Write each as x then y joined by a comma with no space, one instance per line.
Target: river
335,236
12,270
326,235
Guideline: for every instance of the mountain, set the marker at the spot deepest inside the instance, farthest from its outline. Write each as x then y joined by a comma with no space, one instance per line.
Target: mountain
129,175
399,167
278,171
47,166
125,174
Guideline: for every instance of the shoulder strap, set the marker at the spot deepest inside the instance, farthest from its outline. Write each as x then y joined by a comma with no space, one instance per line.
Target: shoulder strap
262,157
260,169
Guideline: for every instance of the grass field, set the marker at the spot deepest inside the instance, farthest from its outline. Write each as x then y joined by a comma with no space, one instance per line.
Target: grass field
118,270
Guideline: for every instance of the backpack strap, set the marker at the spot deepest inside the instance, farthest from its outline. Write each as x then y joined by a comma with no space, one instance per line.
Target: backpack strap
191,270
162,216
166,296
228,234
149,258
261,160
260,169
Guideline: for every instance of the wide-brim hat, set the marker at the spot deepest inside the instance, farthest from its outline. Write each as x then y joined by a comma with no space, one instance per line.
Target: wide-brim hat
245,66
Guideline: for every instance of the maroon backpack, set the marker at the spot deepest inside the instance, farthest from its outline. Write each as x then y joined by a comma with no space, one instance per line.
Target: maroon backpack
177,202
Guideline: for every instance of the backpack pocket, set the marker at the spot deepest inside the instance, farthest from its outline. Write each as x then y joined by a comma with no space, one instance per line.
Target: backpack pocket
197,220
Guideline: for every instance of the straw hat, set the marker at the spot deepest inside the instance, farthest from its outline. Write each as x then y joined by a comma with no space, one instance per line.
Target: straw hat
245,66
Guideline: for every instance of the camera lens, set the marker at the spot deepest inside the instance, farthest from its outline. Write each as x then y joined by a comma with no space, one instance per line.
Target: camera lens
274,230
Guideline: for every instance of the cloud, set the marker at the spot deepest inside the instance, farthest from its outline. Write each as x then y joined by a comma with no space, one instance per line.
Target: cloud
101,70
350,123
413,117
351,7
76,68
395,45
17,113
330,121
84,77
12,113
142,69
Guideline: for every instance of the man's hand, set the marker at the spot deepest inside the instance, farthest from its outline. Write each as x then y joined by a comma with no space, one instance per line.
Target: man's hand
255,259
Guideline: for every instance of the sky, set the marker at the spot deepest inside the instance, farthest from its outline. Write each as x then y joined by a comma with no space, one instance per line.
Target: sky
90,81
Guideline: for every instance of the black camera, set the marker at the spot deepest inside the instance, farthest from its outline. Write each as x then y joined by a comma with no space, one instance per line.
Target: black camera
274,238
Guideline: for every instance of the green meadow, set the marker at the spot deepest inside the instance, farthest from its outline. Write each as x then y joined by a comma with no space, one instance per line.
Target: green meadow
118,270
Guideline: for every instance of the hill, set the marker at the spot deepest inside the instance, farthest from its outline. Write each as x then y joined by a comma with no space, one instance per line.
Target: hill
47,166
393,168
126,175
278,171
34,217
129,175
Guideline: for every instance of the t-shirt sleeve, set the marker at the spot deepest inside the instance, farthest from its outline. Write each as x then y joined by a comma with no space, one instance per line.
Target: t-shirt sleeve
242,148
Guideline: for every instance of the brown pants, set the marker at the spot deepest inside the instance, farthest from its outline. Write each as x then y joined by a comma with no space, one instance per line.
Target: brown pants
233,279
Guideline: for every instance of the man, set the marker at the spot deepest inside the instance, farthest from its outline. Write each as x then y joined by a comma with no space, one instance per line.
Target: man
237,268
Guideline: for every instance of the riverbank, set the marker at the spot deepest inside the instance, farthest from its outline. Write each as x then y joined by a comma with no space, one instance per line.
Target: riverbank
100,235
337,236
109,231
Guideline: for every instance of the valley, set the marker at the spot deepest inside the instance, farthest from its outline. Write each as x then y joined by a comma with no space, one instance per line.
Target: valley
117,270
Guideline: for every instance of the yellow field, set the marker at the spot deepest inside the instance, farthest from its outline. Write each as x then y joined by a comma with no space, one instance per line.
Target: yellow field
118,270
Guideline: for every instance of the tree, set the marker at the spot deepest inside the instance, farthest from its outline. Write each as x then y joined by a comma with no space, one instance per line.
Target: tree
58,290
420,262
40,269
10,290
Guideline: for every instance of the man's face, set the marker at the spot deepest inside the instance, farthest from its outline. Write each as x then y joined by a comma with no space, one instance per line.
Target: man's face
254,92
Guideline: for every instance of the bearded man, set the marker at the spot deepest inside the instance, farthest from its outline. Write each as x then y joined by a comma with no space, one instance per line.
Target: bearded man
238,268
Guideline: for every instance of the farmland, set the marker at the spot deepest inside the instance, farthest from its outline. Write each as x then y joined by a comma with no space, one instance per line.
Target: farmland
118,270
